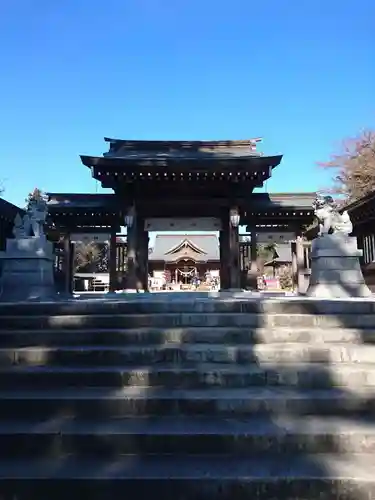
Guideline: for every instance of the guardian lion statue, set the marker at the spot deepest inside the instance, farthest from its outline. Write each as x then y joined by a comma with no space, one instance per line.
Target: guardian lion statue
330,220
31,225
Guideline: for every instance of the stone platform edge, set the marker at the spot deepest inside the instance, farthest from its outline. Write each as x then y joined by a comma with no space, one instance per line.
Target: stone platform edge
216,302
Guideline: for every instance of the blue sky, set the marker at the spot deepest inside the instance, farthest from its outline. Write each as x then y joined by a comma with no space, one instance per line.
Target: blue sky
300,74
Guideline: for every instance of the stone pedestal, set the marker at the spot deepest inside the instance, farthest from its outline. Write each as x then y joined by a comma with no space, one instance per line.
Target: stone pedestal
249,280
27,270
335,268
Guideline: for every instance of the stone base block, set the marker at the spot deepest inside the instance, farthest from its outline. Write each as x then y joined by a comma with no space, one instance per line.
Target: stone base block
335,268
27,270
29,247
249,280
338,291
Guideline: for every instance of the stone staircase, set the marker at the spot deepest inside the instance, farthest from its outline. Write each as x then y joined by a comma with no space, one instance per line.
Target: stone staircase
186,398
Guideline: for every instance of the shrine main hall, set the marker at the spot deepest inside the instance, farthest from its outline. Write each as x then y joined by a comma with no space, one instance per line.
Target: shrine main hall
180,186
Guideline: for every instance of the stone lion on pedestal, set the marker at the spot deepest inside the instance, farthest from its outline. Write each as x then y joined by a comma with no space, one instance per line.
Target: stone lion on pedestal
31,225
330,219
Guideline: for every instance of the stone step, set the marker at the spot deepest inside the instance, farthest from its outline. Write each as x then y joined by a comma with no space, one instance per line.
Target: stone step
94,403
180,303
182,436
323,476
183,320
185,335
188,354
352,376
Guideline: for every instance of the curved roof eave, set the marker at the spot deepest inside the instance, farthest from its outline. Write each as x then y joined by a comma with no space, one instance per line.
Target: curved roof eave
113,162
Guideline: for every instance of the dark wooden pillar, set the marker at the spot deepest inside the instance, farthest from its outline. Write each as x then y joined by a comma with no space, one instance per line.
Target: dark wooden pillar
300,263
252,272
71,265
254,252
142,249
68,264
224,255
230,273
147,240
112,262
294,265
132,254
234,262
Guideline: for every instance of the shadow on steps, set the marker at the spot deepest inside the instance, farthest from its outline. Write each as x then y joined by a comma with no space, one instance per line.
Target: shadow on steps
239,422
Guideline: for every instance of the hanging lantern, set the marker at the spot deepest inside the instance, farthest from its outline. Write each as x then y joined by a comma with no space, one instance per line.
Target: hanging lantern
129,217
234,217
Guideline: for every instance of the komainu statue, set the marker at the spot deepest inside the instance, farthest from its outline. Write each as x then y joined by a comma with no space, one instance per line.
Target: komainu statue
330,219
31,225
28,261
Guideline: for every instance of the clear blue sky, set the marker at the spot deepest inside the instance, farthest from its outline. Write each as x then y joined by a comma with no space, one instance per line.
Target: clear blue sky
301,74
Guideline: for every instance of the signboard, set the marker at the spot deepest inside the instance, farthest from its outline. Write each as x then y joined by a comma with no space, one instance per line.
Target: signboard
275,237
90,237
183,224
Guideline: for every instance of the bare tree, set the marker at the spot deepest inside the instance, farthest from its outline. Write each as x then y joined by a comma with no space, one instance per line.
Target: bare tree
265,253
86,256
354,167
266,250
